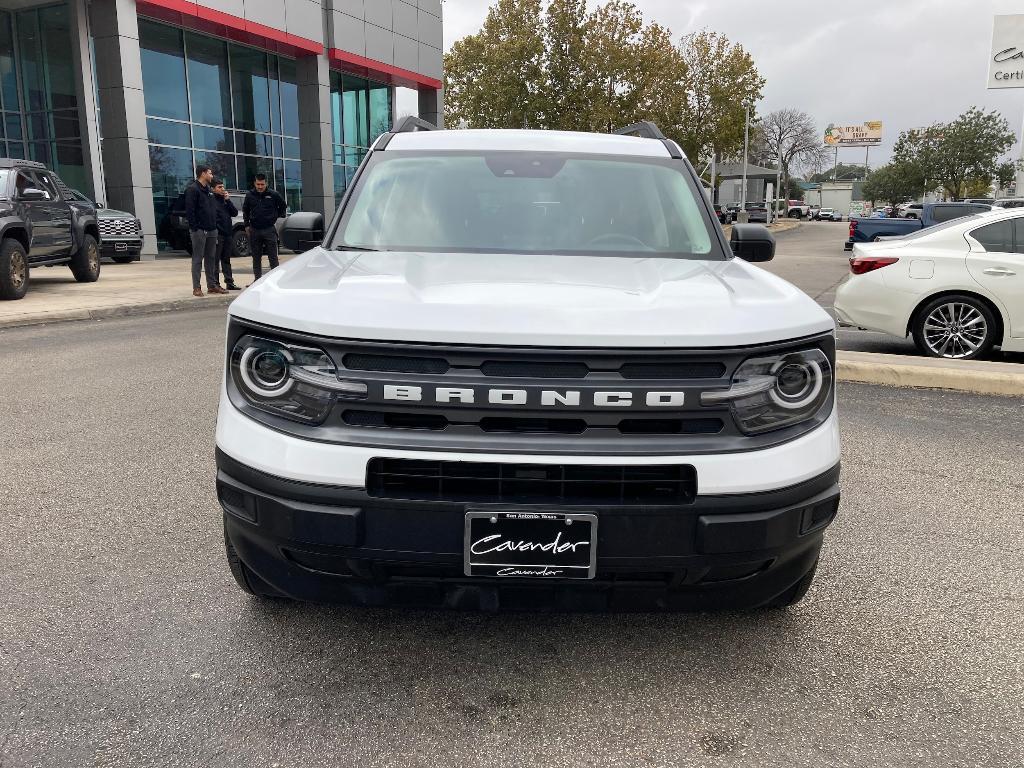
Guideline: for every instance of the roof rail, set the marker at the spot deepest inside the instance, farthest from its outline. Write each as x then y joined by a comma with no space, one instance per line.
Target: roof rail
412,123
644,129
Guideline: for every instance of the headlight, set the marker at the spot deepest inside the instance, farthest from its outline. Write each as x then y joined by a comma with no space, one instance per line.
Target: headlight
776,391
296,382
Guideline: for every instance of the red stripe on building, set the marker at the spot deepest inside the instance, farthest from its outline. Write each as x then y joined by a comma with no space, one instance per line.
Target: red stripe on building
202,19
378,70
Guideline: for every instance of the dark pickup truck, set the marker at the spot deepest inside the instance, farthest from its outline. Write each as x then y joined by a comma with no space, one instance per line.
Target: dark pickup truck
42,224
866,230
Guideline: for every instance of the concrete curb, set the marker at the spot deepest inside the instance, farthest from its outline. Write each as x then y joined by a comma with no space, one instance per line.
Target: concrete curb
977,377
124,310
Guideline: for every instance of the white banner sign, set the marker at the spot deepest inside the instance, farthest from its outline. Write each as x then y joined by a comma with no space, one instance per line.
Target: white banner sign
1006,60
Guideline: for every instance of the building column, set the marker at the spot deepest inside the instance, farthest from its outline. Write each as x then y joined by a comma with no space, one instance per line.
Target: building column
432,105
85,92
129,185
315,130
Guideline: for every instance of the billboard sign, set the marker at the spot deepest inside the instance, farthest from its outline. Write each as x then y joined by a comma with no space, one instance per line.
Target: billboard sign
864,135
1006,59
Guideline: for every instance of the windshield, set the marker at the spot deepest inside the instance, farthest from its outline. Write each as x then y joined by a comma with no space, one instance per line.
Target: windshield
5,175
527,202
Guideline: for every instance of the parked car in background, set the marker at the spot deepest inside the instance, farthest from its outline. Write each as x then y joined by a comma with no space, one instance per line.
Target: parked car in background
174,227
812,211
758,212
957,288
828,214
42,224
1010,202
867,229
120,231
731,210
912,211
721,213
797,209
985,200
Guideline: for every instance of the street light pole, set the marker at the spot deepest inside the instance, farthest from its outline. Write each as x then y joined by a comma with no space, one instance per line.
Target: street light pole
746,152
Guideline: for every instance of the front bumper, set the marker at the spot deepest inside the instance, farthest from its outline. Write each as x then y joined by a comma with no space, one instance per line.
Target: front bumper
121,247
337,544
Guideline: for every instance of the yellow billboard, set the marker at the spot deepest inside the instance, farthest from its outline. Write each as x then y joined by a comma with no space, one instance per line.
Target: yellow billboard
863,135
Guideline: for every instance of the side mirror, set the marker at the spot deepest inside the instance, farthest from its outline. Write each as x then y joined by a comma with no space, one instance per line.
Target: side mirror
303,230
31,193
752,242
99,206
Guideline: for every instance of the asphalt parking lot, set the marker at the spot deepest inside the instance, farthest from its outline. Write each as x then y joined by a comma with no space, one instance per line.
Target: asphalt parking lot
124,641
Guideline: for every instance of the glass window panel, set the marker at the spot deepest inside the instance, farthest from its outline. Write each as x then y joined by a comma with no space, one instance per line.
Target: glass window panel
245,143
223,166
54,26
248,167
209,86
39,151
219,139
275,97
163,70
264,144
354,155
278,182
251,87
354,111
293,185
278,147
38,125
1018,229
16,150
336,111
30,50
340,183
166,132
8,67
289,98
171,170
13,124
291,149
2,121
66,126
380,110
996,237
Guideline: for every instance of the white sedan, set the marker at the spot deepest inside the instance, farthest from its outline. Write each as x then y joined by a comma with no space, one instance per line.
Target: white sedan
957,288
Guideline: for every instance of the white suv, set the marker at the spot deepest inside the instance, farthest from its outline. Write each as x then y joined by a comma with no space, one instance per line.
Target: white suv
526,370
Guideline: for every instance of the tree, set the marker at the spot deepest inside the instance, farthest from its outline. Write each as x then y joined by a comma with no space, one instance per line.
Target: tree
493,79
789,136
567,68
894,183
720,81
952,154
1006,173
842,172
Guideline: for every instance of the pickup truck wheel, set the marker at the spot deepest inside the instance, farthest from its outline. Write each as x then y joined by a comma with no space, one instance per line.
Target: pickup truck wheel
13,269
794,214
85,264
247,581
957,327
240,245
796,593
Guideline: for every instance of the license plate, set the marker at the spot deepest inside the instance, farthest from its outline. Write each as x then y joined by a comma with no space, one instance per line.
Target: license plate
120,246
527,544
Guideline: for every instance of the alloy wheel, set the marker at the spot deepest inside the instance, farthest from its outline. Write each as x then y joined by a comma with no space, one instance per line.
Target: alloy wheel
955,330
19,270
94,258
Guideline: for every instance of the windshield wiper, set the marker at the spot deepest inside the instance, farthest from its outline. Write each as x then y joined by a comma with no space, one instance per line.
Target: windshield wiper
357,248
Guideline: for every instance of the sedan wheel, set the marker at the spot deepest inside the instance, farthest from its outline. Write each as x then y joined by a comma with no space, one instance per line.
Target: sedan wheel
955,327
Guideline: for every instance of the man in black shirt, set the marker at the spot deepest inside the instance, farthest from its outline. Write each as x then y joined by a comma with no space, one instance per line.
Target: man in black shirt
260,211
201,212
226,211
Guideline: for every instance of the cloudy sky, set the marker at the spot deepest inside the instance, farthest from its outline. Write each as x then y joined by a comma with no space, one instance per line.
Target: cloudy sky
908,63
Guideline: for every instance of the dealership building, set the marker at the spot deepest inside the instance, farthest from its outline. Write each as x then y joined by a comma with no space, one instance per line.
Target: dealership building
123,98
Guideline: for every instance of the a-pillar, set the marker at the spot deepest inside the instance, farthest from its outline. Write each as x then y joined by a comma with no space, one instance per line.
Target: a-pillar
432,105
315,130
115,29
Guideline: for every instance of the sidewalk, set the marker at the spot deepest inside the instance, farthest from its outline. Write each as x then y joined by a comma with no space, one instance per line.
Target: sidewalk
141,287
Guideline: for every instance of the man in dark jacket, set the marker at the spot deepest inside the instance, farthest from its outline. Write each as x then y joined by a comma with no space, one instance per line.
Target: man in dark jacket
260,211
201,212
226,211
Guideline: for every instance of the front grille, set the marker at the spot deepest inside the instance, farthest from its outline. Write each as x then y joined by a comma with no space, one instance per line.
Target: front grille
562,484
117,227
393,364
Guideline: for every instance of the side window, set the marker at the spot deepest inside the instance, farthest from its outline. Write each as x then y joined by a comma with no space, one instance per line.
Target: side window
996,237
45,183
24,182
1018,234
949,212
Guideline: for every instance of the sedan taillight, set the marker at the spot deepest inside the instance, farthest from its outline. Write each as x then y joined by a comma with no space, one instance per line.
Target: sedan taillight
860,265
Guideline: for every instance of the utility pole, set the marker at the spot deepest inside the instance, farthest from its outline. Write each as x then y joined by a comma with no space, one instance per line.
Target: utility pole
714,168
835,170
746,152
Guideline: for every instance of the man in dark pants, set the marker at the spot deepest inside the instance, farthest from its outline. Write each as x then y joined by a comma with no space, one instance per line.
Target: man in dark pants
260,211
201,213
226,211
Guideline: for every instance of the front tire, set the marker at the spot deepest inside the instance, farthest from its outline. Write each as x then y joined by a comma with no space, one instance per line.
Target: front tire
85,264
240,245
13,270
956,327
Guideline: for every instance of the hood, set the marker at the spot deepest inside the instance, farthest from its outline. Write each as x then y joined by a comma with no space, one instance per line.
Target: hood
112,213
584,301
